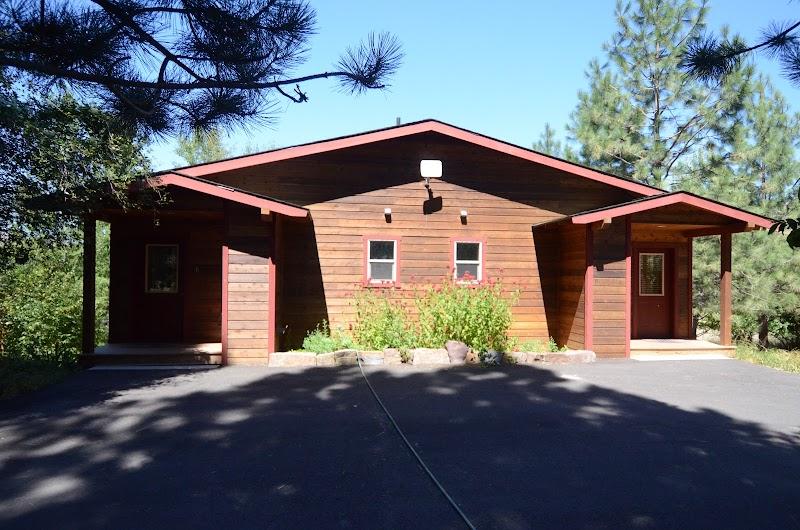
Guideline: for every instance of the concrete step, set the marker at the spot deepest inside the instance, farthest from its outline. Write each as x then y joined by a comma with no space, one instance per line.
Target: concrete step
106,359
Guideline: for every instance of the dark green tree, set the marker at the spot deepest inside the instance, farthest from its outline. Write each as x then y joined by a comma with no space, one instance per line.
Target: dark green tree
178,64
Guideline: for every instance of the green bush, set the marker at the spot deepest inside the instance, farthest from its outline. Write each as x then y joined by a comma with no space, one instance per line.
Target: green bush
477,315
322,340
538,345
382,324
41,303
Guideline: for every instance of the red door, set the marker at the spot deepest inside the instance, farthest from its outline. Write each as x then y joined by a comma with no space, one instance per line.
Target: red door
652,285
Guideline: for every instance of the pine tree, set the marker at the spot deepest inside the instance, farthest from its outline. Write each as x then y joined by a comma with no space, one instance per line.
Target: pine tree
549,144
757,169
641,116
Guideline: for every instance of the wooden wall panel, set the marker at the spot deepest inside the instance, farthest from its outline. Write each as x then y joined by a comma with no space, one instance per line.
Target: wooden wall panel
609,290
347,191
250,251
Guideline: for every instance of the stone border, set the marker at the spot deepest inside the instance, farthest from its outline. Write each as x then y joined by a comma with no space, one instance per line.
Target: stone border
417,357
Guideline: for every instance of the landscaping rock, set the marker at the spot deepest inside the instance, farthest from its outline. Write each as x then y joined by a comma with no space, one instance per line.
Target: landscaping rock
286,359
473,357
345,357
325,359
392,356
429,356
559,357
456,351
518,357
492,358
371,358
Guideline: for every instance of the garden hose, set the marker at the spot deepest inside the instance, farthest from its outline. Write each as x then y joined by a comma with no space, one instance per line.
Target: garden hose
414,451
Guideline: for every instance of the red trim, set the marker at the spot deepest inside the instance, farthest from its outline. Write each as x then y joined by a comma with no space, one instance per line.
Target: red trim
725,291
690,289
325,146
224,332
365,266
628,285
452,272
673,198
588,292
227,193
271,329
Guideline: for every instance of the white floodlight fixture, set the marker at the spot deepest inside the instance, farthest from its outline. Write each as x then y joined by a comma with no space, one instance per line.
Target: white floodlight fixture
430,169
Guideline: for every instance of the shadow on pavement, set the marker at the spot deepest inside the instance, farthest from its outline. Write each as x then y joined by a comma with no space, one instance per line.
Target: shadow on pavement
517,447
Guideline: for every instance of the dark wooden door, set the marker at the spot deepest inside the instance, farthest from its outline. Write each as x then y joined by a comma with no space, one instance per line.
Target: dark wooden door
653,287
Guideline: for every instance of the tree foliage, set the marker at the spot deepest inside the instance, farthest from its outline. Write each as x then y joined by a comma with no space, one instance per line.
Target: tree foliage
640,116
732,140
59,160
202,146
182,64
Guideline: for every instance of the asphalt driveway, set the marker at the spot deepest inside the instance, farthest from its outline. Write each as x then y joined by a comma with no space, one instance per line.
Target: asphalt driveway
700,444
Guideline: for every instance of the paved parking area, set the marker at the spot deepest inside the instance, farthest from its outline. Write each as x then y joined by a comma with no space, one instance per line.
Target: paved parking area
700,444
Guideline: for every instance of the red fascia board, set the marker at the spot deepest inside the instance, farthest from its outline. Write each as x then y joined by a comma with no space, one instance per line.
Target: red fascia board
673,198
223,192
408,130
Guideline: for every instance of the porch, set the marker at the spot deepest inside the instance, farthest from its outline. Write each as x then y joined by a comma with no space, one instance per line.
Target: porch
652,349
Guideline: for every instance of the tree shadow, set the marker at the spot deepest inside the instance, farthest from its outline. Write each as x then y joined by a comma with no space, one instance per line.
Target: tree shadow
517,447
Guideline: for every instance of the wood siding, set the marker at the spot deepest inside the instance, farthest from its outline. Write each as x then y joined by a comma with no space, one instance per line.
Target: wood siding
249,242
346,193
192,314
609,290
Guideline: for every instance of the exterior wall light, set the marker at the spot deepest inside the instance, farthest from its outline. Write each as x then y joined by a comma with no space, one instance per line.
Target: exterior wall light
463,217
430,169
387,213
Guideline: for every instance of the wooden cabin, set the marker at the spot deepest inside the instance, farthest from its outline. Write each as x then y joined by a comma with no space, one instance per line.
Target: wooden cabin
253,252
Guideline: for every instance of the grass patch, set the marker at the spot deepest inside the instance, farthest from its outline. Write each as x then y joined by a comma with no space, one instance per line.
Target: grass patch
20,376
786,360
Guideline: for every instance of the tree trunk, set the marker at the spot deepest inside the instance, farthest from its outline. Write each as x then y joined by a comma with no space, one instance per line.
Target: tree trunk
763,331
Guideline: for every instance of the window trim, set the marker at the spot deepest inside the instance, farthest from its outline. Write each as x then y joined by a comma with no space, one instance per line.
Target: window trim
481,261
366,280
147,267
663,266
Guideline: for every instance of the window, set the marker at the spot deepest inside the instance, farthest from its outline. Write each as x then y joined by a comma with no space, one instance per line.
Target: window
161,273
468,261
381,261
651,274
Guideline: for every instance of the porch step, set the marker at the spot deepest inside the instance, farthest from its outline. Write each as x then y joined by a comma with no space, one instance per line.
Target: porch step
154,354
678,347
102,359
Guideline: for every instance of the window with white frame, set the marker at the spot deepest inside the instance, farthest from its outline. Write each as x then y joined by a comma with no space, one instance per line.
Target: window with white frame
161,268
382,261
468,261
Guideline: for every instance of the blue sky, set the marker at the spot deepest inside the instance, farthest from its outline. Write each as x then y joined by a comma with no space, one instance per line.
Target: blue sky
502,68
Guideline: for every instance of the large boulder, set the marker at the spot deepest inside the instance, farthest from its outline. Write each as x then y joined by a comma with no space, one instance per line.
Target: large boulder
456,351
325,359
429,356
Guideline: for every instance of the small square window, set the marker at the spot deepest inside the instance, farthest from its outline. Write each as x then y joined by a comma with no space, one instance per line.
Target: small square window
468,261
161,268
382,261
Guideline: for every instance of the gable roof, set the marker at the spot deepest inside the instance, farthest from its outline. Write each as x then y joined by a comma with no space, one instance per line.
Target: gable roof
666,199
409,129
226,192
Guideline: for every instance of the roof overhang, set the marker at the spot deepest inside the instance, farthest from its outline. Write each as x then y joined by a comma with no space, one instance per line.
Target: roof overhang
740,220
410,129
228,193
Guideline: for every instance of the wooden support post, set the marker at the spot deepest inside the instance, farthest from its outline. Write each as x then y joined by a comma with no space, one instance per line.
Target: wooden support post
89,267
725,306
588,292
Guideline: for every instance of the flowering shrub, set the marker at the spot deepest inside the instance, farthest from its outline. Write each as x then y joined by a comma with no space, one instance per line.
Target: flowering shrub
322,340
382,324
478,315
